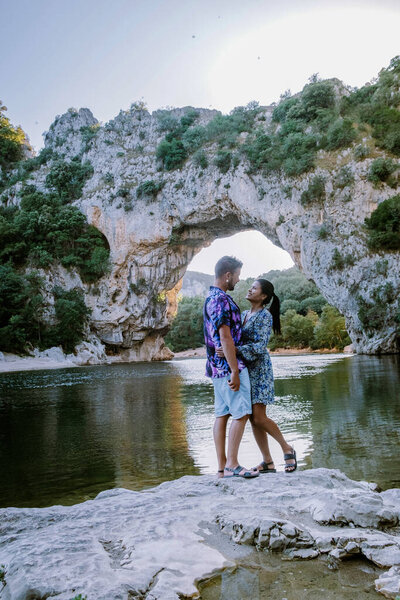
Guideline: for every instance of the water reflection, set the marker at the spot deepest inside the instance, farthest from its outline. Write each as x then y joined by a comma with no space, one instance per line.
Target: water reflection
66,435
68,442
266,576
356,423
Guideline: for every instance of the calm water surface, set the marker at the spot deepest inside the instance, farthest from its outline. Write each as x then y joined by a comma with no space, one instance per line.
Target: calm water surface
68,434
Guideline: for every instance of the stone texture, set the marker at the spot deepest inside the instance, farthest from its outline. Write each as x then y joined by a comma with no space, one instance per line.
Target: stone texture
153,239
155,544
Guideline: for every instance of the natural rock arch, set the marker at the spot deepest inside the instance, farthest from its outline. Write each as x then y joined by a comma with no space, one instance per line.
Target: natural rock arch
153,235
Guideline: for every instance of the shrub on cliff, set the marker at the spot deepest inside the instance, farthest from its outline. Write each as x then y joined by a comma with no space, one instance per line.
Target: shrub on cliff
381,170
171,151
384,225
149,188
372,313
340,134
68,178
223,160
315,191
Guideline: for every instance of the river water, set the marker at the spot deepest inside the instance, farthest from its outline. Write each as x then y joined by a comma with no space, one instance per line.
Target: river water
68,434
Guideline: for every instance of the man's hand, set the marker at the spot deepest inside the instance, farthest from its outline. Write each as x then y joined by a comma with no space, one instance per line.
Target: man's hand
220,352
234,381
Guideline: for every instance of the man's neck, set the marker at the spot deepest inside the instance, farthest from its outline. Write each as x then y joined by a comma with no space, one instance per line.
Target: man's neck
221,284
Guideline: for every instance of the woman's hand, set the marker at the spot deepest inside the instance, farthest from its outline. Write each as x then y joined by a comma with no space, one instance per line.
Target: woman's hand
220,352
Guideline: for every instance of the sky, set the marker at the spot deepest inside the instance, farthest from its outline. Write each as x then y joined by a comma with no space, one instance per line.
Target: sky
204,53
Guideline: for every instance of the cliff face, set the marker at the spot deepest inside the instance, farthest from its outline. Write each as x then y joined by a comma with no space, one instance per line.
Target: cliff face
196,284
155,231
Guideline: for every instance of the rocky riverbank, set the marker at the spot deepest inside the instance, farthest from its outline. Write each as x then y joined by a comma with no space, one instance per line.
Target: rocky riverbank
159,543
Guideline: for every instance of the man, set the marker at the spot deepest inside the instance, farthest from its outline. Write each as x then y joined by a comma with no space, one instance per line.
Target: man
232,395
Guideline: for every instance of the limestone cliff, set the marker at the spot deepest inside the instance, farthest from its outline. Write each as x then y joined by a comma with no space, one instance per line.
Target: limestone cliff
196,284
156,220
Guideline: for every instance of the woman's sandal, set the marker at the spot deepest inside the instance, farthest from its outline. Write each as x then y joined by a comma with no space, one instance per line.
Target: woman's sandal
264,466
236,473
290,456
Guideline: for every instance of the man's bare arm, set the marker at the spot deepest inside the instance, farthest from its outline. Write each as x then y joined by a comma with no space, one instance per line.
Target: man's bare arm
230,355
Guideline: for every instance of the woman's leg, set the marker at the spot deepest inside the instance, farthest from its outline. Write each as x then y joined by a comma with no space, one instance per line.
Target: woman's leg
261,425
261,438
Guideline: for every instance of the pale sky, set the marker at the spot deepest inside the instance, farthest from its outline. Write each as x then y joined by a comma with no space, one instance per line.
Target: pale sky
204,53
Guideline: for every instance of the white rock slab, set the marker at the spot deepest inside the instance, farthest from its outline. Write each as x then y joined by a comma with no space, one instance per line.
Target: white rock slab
157,543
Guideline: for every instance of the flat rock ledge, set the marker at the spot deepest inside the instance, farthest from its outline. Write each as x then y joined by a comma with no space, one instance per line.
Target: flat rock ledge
159,543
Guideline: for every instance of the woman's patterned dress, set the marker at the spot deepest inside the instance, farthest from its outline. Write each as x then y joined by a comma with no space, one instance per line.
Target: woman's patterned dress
255,337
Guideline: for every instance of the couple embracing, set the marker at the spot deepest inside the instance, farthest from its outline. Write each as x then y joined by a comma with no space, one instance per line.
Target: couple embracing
239,365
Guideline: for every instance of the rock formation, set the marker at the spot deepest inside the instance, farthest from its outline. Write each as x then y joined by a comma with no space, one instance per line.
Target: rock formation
196,284
159,543
154,230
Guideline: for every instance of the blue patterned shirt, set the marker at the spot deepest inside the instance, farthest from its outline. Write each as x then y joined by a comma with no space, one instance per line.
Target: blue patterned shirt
220,309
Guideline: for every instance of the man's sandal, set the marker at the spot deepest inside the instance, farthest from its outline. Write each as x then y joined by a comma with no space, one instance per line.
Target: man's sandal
237,473
264,467
290,456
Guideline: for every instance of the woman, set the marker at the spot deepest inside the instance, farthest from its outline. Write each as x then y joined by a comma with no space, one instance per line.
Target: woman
257,324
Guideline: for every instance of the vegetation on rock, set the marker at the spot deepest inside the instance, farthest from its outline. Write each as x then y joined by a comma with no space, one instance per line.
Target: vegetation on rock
384,225
149,189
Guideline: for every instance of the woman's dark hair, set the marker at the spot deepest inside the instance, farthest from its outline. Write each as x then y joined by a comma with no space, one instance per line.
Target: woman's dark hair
268,289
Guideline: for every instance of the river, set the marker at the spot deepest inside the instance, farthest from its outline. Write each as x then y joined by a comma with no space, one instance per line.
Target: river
68,434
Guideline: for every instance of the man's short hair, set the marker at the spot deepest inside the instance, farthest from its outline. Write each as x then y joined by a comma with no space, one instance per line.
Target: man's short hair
227,264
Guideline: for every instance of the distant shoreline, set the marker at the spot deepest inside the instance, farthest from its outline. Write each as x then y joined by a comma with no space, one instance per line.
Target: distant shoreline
201,352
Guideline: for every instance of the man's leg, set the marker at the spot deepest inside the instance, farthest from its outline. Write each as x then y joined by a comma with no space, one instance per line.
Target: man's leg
219,432
235,437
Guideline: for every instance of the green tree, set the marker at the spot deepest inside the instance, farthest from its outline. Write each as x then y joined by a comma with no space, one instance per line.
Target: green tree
12,141
187,328
21,309
297,331
331,332
72,314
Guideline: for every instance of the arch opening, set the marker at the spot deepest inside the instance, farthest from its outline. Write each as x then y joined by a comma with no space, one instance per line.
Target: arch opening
254,249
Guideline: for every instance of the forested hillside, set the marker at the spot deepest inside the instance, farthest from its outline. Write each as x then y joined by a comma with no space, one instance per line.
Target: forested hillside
307,319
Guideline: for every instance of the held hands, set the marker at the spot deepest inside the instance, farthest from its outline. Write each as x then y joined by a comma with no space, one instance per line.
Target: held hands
234,381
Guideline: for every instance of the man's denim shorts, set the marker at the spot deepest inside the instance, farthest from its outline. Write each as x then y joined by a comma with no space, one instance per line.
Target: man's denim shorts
228,402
